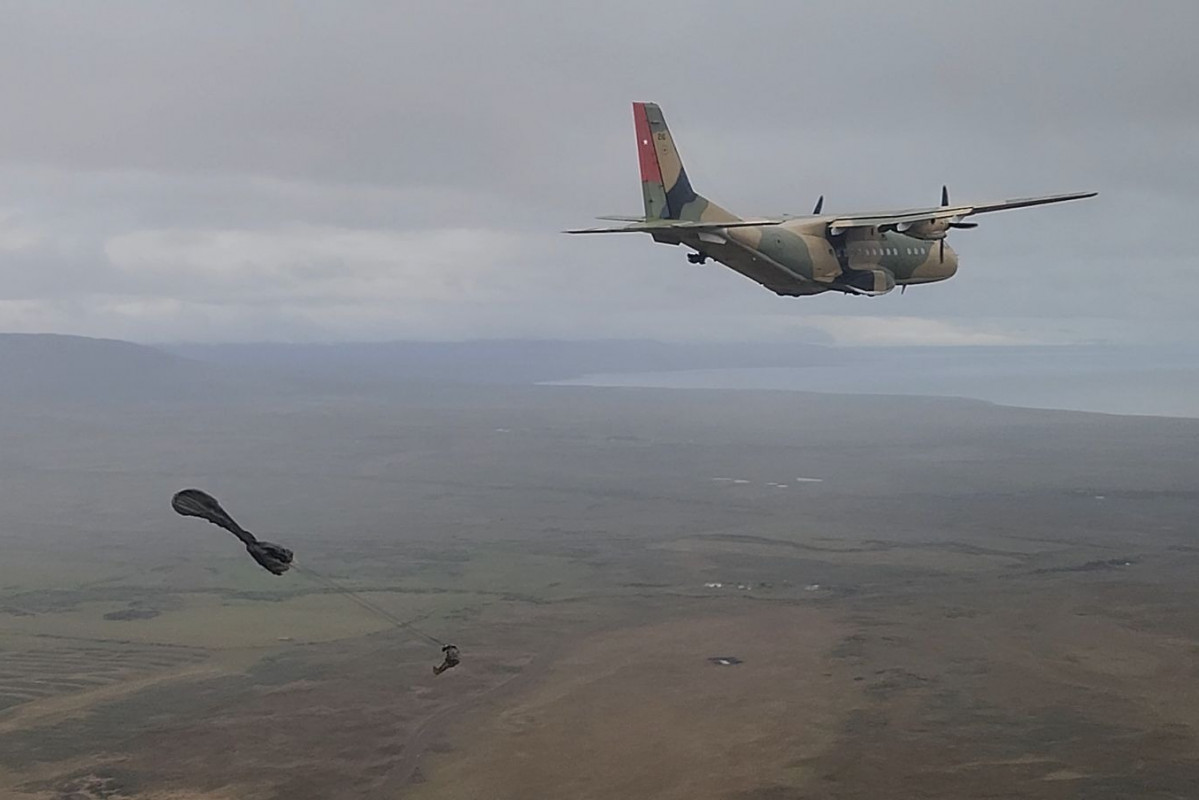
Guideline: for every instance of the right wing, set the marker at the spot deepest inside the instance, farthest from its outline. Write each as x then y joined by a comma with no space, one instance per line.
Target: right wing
910,216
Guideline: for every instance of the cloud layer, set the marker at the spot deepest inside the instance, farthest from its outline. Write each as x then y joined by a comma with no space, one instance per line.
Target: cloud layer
220,171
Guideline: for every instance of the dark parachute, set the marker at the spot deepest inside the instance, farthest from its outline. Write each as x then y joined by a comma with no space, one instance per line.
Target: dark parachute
195,503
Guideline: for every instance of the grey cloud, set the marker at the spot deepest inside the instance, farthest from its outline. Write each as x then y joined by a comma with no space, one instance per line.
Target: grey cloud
174,120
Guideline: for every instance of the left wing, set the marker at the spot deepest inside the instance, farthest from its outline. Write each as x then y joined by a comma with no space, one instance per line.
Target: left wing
906,217
650,226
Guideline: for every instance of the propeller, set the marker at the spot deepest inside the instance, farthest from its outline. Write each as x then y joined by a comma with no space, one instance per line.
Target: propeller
819,206
952,223
944,202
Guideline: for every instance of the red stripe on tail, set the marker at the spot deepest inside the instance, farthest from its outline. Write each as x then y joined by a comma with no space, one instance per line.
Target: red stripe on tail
647,155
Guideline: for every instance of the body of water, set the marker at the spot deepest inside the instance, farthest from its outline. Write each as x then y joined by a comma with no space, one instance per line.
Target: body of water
1144,381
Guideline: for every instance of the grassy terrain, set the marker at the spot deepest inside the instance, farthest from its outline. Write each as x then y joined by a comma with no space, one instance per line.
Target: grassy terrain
969,600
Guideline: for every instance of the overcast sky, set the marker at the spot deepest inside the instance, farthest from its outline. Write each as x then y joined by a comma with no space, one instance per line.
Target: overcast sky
361,171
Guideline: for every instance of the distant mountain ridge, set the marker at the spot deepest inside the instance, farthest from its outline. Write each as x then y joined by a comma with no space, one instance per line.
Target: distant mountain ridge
37,368
499,361
48,368
45,368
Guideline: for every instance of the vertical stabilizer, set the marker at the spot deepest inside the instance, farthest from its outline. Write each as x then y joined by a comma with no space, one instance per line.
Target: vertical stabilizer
665,188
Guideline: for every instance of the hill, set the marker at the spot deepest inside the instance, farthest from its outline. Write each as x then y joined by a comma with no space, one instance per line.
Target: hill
50,368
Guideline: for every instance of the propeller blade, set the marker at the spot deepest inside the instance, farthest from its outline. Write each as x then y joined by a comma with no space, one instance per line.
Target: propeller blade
819,206
945,202
963,225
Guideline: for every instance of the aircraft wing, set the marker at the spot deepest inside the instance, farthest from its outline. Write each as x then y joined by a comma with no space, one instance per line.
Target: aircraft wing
653,225
892,219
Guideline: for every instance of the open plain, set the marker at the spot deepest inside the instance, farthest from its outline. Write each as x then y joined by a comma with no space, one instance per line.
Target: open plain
669,594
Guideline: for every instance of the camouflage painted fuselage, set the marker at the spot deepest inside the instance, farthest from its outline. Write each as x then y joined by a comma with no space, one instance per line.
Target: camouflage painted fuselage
870,262
798,257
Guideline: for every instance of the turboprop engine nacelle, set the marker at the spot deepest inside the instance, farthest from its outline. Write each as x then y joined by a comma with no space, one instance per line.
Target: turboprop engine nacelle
929,229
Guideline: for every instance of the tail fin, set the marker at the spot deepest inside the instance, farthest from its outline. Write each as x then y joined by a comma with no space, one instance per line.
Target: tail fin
664,185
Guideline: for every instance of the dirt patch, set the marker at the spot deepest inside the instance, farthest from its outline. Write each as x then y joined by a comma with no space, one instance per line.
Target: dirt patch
641,712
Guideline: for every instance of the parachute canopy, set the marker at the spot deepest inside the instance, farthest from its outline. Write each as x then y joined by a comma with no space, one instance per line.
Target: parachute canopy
274,558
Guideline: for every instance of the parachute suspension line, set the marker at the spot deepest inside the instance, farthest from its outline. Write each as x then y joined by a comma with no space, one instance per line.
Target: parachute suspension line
362,602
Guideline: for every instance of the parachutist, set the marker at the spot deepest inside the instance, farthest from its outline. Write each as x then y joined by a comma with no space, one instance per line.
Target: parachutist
274,558
451,659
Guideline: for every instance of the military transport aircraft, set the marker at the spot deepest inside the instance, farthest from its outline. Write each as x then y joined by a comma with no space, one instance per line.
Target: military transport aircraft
866,253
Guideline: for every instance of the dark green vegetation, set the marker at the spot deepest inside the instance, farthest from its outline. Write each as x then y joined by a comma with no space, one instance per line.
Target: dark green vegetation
970,601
